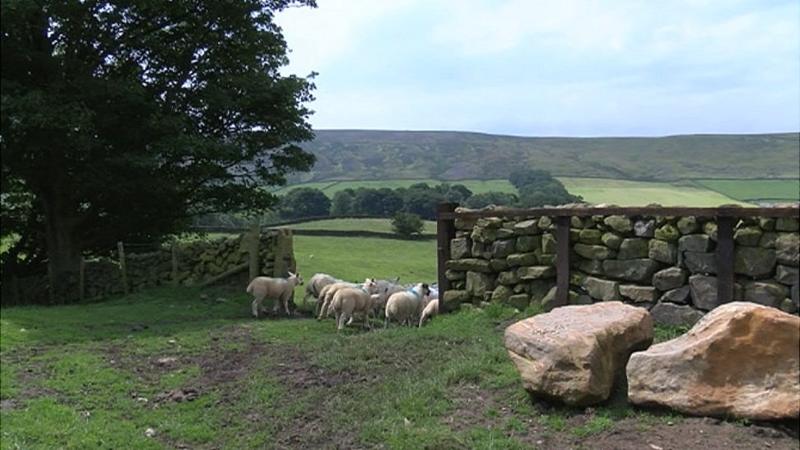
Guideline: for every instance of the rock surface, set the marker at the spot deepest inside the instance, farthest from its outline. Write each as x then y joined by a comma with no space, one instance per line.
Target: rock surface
740,360
675,315
573,353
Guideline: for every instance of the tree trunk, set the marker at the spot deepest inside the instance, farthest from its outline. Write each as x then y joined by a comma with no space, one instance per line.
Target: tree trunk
63,249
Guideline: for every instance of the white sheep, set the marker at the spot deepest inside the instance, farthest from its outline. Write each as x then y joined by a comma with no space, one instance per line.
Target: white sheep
349,301
406,306
326,296
315,285
431,309
280,289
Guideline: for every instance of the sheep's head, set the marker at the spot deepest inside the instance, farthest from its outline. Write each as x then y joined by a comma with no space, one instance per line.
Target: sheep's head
296,278
426,291
370,285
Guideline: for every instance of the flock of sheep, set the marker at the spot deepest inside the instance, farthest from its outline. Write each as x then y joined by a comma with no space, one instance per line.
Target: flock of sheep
397,303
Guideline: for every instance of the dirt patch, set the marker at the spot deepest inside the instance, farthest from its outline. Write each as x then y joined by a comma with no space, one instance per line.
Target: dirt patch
478,407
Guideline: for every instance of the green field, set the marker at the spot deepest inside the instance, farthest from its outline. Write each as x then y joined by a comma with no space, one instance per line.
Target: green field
751,190
593,190
639,193
377,225
189,368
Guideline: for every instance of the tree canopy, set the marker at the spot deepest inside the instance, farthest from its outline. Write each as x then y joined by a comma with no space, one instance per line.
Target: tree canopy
120,121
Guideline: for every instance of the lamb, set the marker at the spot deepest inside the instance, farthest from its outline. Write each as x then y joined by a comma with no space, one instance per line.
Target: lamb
315,285
406,306
326,295
280,289
431,309
351,300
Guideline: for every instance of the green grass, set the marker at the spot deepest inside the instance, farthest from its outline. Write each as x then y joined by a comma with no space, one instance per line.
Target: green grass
355,259
639,193
378,225
619,192
751,190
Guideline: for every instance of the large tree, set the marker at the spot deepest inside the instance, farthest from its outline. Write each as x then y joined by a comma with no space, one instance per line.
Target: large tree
121,120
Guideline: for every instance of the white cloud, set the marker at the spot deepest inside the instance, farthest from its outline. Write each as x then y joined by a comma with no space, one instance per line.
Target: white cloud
319,36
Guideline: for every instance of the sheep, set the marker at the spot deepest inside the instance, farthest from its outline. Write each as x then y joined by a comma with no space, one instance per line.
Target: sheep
280,289
385,290
350,300
405,306
315,285
431,309
326,295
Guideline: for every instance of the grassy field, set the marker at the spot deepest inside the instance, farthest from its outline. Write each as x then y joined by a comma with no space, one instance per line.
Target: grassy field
189,368
751,190
639,193
596,190
378,225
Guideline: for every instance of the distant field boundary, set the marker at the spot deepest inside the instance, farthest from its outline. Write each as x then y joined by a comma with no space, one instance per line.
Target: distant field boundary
331,233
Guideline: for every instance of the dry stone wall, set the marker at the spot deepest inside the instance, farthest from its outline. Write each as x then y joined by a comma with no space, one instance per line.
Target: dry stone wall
665,264
185,263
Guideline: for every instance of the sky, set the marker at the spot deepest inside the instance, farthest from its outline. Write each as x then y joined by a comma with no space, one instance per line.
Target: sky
550,68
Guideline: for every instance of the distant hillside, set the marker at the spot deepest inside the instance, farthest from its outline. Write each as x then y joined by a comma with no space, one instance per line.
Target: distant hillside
446,155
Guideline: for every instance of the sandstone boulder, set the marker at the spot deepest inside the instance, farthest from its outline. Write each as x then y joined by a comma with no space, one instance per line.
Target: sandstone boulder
573,353
740,360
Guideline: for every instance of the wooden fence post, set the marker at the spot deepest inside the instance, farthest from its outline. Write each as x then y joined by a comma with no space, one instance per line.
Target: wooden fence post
82,279
562,260
252,248
725,259
123,267
174,250
445,232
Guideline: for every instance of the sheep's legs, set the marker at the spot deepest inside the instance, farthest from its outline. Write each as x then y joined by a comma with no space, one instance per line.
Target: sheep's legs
256,305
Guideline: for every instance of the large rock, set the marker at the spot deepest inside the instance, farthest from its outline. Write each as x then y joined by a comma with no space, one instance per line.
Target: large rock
632,248
456,297
508,278
519,301
675,315
787,249
740,360
753,261
766,293
548,243
639,270
573,353
700,262
669,278
591,266
597,252
601,289
663,251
